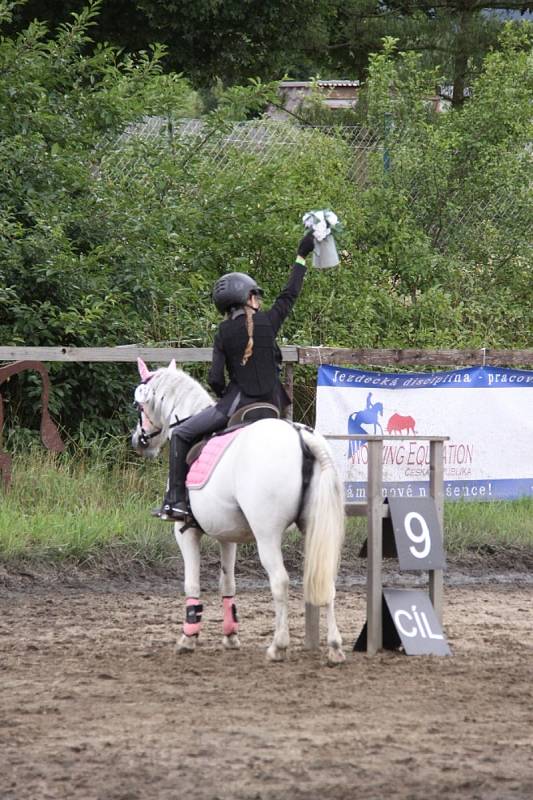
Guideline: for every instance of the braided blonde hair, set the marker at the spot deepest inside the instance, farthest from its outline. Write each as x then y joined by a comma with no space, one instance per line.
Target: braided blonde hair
250,331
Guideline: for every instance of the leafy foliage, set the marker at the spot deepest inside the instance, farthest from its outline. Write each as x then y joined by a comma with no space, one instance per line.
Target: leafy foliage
60,100
213,41
210,40
458,194
109,238
453,35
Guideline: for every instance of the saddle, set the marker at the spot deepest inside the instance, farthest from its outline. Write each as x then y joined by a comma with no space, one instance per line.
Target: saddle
253,412
245,416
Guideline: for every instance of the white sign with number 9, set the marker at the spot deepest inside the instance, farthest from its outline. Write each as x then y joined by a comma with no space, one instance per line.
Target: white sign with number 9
423,538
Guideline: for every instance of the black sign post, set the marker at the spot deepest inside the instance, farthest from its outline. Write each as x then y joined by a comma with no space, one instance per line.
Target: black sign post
409,619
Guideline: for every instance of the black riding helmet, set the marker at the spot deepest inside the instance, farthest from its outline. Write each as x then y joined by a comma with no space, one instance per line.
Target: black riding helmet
234,289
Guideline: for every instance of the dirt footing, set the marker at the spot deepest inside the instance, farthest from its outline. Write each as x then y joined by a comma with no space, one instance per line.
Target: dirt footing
95,702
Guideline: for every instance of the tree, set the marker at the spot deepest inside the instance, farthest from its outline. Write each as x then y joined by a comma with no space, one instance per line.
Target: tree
454,35
451,214
230,41
119,22
109,236
61,100
208,40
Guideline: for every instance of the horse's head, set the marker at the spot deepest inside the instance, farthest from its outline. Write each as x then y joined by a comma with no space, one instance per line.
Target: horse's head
152,425
163,399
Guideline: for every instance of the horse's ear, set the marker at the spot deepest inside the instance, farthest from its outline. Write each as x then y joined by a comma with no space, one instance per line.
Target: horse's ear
172,366
144,372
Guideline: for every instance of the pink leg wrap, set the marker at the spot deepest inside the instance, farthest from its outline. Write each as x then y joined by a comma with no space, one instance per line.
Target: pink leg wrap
193,616
231,623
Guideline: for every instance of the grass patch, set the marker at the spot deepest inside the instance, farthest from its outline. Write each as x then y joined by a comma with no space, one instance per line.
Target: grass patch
85,506
472,526
68,507
476,526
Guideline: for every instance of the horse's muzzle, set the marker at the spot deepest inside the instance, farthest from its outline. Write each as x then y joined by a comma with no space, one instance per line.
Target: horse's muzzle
141,445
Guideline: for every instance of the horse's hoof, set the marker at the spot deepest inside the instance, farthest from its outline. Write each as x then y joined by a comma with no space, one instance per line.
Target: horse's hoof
276,653
231,642
187,644
335,656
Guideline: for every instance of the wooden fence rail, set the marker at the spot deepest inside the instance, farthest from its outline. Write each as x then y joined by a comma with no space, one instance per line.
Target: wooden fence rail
415,357
291,355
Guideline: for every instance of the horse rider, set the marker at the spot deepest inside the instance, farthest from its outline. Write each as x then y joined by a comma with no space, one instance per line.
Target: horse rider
245,346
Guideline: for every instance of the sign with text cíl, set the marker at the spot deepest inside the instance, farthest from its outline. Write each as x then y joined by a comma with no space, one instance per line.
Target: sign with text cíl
409,623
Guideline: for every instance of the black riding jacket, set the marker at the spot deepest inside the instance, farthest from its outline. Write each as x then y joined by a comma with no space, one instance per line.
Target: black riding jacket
258,379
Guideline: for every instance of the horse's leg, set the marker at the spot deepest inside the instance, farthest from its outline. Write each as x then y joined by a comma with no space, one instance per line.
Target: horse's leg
335,652
228,552
269,548
189,544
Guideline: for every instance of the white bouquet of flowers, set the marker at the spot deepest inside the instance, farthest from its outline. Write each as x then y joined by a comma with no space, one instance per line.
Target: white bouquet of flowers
323,223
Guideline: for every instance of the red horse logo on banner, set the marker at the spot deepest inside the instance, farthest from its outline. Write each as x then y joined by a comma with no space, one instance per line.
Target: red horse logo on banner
398,424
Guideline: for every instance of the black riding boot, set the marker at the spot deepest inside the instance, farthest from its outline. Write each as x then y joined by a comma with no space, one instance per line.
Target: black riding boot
174,503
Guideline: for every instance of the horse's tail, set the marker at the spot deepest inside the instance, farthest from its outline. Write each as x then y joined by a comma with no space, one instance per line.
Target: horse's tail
324,524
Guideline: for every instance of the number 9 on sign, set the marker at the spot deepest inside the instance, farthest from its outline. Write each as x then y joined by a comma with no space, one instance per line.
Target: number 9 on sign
422,539
417,533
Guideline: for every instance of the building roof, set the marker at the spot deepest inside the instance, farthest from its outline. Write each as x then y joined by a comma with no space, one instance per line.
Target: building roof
329,84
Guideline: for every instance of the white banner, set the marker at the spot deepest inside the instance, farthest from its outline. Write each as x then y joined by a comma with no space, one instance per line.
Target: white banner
487,412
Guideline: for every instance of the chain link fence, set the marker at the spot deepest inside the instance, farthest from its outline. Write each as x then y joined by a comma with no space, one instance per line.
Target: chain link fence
267,140
447,219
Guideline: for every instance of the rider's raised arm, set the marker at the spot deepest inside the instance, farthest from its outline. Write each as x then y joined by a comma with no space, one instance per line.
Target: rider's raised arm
216,378
286,299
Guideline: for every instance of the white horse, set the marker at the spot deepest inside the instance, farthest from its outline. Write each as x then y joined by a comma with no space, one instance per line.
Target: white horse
254,493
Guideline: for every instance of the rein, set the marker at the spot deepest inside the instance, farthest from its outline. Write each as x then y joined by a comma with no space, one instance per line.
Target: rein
145,437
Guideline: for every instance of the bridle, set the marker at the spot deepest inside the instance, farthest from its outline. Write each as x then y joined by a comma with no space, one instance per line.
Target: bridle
145,437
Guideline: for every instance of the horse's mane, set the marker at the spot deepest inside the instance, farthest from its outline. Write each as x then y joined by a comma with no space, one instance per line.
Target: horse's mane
176,392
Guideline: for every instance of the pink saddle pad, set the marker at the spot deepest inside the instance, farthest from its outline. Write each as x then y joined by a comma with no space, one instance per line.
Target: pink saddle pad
201,470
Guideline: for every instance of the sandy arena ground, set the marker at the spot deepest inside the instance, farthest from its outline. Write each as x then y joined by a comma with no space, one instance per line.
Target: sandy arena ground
96,705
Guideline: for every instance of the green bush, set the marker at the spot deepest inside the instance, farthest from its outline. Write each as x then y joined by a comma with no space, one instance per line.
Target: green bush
108,238
449,219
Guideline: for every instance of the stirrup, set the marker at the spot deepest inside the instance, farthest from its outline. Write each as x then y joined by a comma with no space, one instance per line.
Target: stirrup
174,512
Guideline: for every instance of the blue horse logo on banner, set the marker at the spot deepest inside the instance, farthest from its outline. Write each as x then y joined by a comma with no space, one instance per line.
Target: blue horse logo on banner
366,416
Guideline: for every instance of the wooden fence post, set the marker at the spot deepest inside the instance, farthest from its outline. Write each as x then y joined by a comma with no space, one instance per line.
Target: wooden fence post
375,547
436,490
289,388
